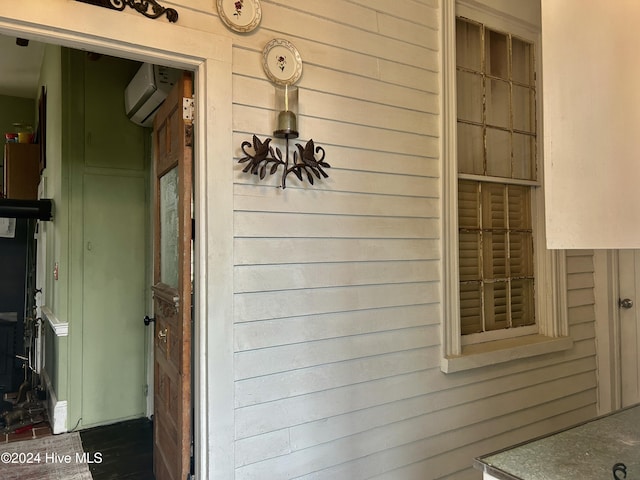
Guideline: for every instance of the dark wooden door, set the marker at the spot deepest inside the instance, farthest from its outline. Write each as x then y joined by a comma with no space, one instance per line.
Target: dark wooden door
173,168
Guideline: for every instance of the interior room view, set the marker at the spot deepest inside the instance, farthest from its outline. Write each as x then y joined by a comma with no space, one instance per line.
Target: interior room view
340,239
112,99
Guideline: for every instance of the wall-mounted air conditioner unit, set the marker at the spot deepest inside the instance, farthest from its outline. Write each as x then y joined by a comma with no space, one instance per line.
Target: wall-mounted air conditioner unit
146,92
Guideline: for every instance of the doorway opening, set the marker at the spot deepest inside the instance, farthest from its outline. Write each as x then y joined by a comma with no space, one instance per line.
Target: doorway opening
209,56
111,251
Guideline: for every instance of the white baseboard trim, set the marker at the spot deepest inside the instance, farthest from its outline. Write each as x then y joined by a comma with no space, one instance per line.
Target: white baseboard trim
57,408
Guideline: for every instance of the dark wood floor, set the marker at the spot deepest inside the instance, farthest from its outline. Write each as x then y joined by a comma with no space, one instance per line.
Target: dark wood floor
126,449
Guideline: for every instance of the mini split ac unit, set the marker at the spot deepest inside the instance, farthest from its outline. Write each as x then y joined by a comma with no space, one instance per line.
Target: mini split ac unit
147,90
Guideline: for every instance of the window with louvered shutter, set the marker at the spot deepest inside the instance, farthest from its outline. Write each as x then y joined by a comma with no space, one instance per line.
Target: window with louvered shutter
496,140
504,293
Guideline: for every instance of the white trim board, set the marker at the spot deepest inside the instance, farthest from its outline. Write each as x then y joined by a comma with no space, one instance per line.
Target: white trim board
607,330
60,328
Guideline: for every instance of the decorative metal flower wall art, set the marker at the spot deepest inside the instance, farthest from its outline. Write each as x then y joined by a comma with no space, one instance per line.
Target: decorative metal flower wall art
267,160
142,6
283,65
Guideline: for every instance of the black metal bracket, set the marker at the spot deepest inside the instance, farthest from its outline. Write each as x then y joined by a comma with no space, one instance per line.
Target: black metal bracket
265,160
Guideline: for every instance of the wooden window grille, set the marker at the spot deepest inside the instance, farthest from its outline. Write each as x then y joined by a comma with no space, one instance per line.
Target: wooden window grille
497,173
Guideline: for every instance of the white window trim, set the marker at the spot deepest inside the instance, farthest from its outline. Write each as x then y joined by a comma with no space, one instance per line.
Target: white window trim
551,275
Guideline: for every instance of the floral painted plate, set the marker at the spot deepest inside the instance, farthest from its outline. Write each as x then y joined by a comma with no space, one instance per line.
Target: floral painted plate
281,62
240,15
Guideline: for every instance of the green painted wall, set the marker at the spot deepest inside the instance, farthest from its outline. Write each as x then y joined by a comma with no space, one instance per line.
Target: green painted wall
54,233
108,243
98,176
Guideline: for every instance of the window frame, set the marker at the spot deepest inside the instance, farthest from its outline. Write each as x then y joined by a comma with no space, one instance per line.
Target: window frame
550,266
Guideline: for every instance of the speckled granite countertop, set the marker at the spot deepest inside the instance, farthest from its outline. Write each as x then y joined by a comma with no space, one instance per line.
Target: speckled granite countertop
586,452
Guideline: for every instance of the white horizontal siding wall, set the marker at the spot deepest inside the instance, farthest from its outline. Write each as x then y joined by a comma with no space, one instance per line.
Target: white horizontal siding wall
337,285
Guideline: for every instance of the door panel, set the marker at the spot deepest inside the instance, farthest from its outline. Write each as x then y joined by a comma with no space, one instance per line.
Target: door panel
115,285
172,287
629,269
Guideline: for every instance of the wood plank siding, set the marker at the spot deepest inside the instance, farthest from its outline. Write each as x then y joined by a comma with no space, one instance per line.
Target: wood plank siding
337,309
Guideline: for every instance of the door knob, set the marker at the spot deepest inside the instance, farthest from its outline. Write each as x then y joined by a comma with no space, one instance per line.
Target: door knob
148,320
625,303
162,335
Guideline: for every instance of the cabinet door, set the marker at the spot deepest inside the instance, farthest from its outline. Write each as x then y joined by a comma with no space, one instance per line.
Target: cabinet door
21,171
591,101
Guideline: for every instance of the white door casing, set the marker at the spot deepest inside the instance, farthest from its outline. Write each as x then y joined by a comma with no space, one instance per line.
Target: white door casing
617,277
629,320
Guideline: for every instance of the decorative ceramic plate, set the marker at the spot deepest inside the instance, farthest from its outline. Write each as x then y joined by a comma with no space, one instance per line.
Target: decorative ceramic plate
240,15
281,62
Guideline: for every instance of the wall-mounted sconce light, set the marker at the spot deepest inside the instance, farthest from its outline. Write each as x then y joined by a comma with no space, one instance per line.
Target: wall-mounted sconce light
283,66
287,108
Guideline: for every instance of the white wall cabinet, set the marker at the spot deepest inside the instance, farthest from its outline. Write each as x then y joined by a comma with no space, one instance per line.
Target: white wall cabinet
591,101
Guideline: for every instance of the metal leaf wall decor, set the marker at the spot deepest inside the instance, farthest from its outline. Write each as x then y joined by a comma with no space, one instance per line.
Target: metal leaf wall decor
149,8
266,161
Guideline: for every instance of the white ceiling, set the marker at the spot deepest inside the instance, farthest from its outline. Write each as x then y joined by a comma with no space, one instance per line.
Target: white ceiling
19,67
